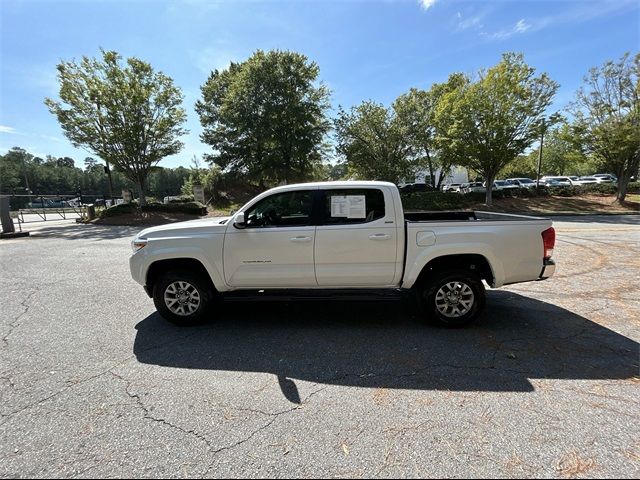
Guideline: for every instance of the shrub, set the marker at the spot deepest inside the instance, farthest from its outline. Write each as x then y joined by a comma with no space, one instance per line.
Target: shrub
183,199
116,210
634,187
436,201
192,208
604,188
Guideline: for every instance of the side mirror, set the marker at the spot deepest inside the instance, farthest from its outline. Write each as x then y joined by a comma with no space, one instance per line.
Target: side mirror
239,221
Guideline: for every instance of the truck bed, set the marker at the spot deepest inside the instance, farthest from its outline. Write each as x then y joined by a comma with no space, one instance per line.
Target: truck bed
464,216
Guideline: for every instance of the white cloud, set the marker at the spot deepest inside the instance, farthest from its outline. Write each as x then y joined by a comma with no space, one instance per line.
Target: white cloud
426,4
467,23
520,27
212,58
5,129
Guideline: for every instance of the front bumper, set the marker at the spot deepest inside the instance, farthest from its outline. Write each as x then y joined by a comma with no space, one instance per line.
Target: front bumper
548,270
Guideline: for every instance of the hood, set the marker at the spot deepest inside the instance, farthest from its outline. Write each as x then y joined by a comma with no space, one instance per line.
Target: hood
202,226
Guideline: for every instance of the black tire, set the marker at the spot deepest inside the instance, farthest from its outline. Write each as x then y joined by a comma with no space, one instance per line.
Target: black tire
432,298
171,280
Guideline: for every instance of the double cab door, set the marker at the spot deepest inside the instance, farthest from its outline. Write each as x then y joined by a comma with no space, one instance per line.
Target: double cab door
322,237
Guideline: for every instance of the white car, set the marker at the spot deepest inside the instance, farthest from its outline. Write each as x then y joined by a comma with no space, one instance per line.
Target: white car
522,182
452,187
503,185
348,237
586,181
559,181
605,178
472,187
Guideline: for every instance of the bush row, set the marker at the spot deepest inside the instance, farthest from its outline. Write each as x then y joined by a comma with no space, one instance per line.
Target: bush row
455,201
192,208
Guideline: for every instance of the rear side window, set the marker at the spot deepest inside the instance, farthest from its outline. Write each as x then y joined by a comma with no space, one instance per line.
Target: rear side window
353,205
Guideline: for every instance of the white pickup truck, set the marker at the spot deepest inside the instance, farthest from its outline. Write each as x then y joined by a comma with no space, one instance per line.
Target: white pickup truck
340,237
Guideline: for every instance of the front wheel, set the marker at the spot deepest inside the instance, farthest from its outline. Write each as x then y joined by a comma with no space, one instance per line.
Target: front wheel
182,298
452,299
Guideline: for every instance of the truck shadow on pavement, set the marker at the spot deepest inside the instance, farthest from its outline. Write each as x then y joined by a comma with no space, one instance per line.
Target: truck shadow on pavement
384,345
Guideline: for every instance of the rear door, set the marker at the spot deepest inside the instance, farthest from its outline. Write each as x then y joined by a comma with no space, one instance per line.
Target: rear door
356,239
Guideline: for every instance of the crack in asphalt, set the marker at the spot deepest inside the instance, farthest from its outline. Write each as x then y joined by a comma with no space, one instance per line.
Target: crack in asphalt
274,416
16,322
148,416
71,385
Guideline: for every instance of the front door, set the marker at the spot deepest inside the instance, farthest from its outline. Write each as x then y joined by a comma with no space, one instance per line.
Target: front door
276,247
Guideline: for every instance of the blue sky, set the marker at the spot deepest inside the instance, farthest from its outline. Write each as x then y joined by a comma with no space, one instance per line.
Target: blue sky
365,49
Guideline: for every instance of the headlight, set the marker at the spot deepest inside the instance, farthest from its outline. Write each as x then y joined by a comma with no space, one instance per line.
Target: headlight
138,244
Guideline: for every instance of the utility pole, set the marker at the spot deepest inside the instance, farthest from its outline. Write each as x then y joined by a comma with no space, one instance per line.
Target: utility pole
540,154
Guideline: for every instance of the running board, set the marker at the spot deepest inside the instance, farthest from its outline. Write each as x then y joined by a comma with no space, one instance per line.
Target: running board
302,295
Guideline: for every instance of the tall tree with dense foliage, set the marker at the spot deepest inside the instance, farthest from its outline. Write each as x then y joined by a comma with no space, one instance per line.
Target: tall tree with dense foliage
494,119
375,144
128,115
266,117
607,117
416,111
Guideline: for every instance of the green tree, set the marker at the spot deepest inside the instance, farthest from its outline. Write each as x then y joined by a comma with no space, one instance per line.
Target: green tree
496,118
607,117
375,145
416,111
89,163
15,168
128,115
266,117
560,155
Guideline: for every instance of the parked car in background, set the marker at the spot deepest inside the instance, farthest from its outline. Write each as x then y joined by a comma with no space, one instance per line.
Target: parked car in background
550,182
561,181
472,187
416,187
522,182
452,187
585,181
503,185
605,178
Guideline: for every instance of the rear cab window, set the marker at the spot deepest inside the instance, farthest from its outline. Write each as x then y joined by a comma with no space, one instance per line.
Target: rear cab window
348,206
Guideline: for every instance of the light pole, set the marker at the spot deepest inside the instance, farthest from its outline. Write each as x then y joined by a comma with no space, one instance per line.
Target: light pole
540,153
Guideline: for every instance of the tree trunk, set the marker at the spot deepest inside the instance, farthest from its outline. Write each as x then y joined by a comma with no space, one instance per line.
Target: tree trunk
489,194
431,173
625,177
142,200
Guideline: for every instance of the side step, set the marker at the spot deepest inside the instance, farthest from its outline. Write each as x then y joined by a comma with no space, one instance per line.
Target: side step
293,295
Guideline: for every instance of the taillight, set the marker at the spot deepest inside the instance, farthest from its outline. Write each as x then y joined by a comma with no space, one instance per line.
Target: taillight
549,241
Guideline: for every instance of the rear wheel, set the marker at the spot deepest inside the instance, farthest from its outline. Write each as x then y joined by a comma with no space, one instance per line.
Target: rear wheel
182,297
452,299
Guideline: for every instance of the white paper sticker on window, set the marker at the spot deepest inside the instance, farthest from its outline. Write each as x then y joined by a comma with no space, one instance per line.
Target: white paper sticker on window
348,206
339,206
357,206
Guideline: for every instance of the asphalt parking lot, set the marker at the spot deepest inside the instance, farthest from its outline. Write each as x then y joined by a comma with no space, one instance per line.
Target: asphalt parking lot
95,384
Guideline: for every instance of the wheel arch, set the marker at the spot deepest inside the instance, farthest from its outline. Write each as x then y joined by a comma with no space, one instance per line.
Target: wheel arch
192,265
472,262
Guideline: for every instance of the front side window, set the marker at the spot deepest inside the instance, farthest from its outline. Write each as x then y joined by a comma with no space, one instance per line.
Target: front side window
287,209
353,205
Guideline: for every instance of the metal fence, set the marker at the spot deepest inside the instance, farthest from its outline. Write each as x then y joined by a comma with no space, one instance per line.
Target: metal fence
41,208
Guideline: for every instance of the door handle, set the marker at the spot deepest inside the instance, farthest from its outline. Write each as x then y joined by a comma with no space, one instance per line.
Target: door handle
300,239
379,236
